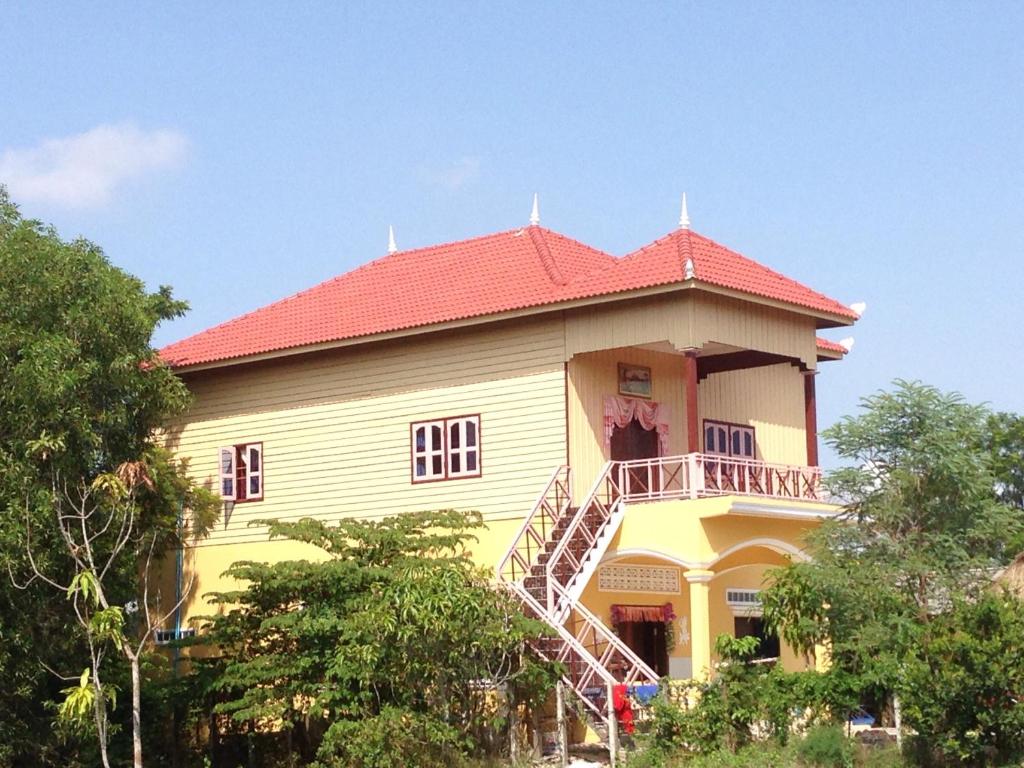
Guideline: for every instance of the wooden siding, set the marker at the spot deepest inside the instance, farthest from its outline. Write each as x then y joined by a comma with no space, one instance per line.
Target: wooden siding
691,319
630,323
591,378
753,326
770,399
335,427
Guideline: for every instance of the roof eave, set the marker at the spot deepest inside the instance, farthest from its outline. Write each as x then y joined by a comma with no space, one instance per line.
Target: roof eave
822,320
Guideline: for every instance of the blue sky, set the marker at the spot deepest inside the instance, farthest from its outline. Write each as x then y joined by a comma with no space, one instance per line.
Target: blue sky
241,152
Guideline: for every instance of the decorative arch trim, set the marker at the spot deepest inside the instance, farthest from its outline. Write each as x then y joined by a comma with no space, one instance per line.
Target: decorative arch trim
776,545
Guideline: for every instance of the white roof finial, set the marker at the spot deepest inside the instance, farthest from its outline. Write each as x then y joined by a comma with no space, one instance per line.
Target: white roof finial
684,216
535,213
392,248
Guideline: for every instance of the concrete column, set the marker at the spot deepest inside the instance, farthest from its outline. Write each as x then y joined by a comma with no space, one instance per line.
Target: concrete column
700,621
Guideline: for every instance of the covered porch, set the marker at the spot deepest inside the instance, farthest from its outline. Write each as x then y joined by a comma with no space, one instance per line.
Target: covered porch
693,423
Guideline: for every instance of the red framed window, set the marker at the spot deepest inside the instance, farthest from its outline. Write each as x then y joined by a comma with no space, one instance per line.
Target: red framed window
445,449
724,439
241,472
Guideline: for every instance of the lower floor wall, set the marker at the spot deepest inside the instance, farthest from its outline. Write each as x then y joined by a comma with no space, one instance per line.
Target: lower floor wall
693,567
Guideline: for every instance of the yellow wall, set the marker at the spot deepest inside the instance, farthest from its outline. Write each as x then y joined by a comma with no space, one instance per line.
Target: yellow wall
335,425
335,432
770,399
594,376
691,319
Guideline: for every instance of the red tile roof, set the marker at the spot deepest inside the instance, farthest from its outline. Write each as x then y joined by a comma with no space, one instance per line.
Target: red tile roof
831,346
511,270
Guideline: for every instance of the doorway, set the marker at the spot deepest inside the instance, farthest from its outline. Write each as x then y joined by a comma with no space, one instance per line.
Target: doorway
768,646
647,640
633,442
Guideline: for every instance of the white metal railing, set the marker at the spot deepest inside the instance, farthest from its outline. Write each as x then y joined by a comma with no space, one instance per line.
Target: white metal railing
696,475
536,530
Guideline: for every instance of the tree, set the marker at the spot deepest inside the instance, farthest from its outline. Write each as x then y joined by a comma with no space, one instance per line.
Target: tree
921,527
81,393
1005,439
381,652
965,683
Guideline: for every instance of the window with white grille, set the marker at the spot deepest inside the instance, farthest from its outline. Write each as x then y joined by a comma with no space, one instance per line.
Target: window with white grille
744,602
241,472
445,449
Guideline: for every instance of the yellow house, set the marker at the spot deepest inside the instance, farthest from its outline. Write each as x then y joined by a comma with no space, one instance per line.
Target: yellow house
637,432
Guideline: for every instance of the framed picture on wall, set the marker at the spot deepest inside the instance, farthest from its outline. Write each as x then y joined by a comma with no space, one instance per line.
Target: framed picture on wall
634,380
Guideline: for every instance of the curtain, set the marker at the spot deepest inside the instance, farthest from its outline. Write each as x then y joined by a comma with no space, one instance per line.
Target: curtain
619,411
623,613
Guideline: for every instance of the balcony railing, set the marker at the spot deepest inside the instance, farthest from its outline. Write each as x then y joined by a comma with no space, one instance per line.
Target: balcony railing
697,475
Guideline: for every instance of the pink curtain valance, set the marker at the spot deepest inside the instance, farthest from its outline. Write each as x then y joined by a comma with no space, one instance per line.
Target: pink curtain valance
619,411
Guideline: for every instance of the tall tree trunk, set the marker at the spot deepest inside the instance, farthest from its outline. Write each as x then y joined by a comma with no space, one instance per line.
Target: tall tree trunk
136,712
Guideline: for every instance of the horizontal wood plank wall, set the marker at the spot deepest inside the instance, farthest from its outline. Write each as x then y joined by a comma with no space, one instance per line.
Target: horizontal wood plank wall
752,326
770,399
335,428
594,375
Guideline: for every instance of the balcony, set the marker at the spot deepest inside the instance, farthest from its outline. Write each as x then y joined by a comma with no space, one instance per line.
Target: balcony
700,475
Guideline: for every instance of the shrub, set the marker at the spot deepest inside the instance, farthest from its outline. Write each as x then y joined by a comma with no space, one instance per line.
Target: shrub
964,687
395,738
825,746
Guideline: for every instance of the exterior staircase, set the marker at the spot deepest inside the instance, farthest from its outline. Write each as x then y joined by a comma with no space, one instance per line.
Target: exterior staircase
548,565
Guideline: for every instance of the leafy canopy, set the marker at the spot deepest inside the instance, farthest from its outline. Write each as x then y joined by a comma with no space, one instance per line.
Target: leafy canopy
921,526
81,393
389,621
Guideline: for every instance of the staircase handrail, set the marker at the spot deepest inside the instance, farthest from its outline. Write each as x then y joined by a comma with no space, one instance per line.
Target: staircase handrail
570,644
528,530
559,552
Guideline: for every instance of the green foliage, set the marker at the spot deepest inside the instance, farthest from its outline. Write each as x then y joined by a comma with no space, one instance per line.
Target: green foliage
1005,441
394,625
81,393
826,746
921,524
965,684
744,702
392,738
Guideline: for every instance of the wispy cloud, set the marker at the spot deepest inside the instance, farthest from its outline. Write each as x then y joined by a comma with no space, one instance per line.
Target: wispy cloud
87,169
455,176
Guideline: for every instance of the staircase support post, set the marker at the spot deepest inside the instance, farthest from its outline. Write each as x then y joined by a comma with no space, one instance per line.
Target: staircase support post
563,733
613,727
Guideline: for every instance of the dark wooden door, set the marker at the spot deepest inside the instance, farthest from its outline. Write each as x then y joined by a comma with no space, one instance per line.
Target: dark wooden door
647,640
634,442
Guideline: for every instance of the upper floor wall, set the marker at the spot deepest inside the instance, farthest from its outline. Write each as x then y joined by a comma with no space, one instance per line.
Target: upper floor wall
692,320
335,425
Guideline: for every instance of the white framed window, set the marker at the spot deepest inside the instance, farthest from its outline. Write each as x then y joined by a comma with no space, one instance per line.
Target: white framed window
241,472
167,636
427,451
445,449
724,439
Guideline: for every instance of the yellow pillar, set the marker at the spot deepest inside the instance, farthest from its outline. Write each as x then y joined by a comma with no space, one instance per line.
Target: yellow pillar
822,657
700,621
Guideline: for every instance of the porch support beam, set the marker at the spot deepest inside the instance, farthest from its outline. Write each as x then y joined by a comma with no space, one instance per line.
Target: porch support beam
690,381
740,361
811,419
700,621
